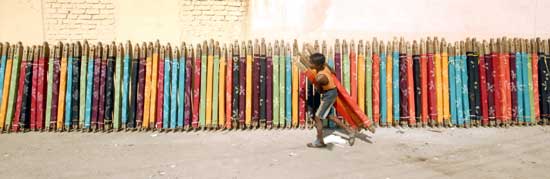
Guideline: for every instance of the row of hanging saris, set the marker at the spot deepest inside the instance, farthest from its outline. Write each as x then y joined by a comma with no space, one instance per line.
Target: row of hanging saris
83,86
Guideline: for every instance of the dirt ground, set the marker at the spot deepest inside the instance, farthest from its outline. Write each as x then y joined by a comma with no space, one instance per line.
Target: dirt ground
517,152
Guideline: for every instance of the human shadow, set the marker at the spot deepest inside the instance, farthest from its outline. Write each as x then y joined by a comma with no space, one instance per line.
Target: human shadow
342,133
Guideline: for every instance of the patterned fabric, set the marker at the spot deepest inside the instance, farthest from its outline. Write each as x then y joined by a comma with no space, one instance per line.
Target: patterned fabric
432,99
140,99
269,93
68,92
221,91
536,85
62,93
148,83
490,74
203,93
166,78
256,85
383,90
389,91
544,85
186,75
23,102
102,90
418,87
473,85
209,90
453,90
125,89
438,88
236,89
75,94
513,87
134,78
5,92
276,89
248,92
403,88
528,86
483,68
395,87
445,85
242,89
229,90
262,74
109,91
353,74
215,87
464,82
197,84
376,88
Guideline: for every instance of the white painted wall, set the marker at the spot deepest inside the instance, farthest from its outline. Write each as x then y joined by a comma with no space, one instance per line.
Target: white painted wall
147,20
173,20
452,19
21,20
34,21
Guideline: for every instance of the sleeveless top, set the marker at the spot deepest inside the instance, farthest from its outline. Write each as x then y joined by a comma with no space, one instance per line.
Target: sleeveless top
326,71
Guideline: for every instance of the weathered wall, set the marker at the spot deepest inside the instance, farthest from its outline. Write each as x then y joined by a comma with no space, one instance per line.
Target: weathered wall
21,21
226,20
69,20
33,21
175,21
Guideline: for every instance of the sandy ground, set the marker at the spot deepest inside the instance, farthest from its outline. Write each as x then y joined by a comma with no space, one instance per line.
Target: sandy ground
517,152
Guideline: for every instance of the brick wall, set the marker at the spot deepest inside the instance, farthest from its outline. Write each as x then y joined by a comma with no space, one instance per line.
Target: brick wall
69,20
195,20
223,20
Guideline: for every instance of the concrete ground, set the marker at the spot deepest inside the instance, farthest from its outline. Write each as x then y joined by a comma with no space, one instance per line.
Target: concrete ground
517,152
